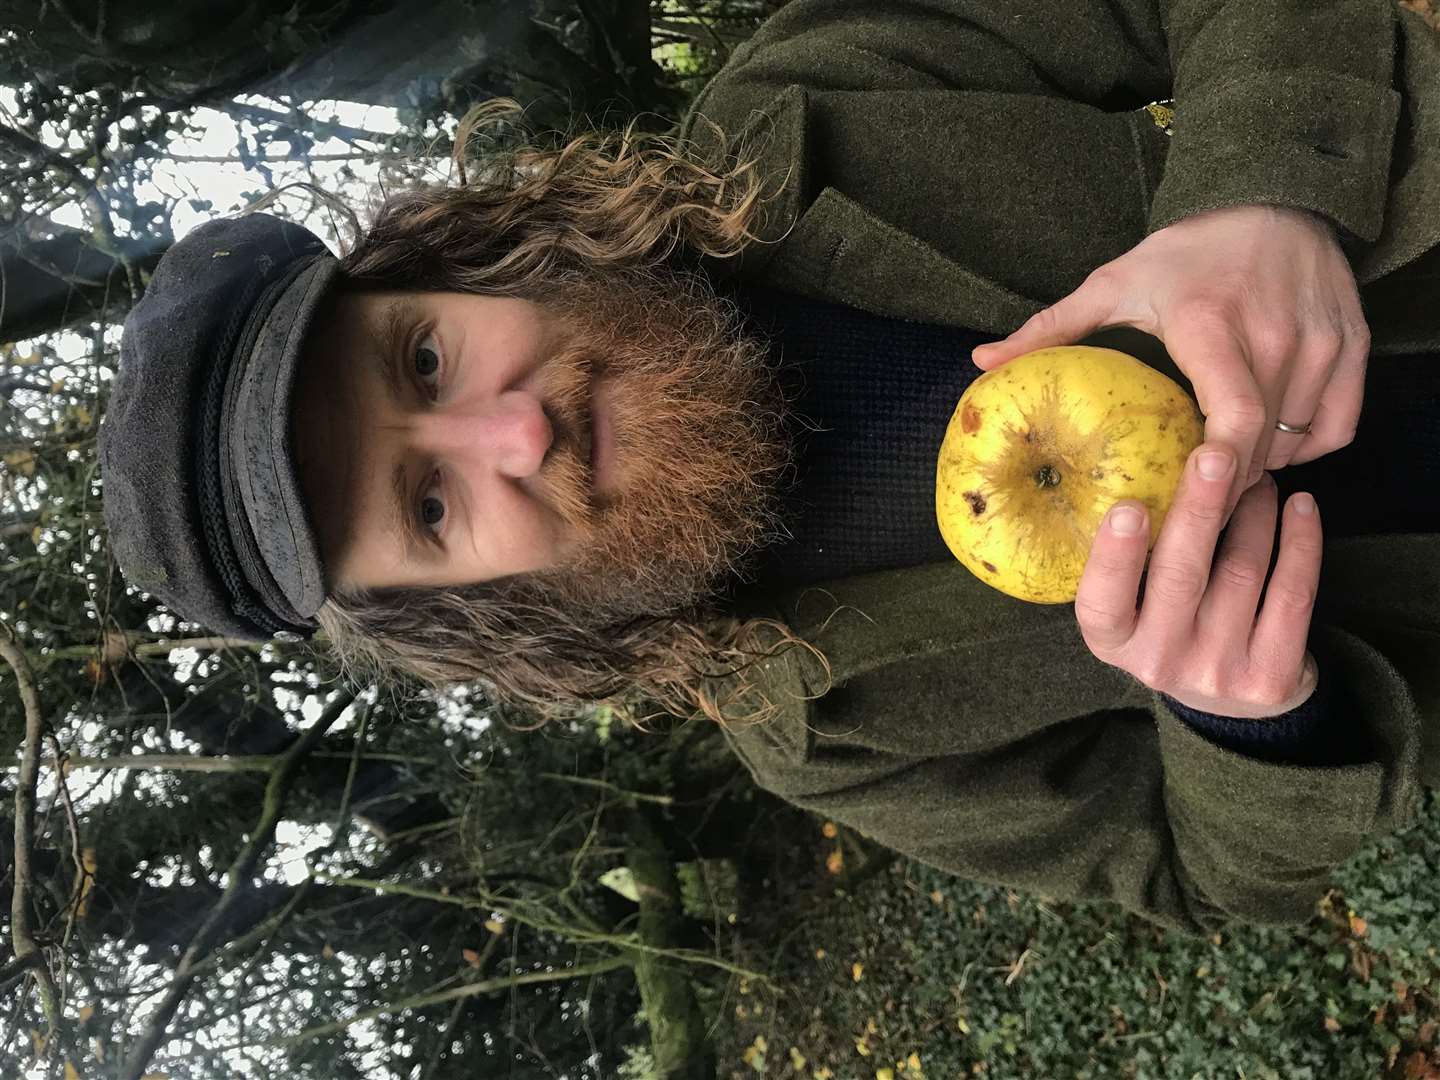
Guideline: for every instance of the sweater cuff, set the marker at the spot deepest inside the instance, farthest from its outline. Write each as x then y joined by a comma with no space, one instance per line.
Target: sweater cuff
1319,731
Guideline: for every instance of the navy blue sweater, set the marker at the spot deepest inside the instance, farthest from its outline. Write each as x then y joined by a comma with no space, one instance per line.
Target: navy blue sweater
873,396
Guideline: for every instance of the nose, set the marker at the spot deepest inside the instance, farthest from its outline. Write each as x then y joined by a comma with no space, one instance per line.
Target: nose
509,433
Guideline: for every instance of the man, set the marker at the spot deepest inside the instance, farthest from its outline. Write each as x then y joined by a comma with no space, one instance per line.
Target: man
663,419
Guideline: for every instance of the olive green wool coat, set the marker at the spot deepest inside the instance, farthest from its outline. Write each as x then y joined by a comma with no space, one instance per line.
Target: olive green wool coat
970,162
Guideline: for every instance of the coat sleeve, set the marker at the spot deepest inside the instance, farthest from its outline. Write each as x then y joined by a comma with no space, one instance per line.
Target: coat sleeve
989,743
1288,102
1129,806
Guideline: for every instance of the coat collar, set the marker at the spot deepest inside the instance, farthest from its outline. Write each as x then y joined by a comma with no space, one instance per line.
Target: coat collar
831,248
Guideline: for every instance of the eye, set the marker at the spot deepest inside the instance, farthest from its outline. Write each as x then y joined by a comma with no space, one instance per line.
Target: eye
432,506
426,361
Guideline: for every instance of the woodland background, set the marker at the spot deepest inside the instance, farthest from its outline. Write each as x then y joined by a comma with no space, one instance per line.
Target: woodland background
222,862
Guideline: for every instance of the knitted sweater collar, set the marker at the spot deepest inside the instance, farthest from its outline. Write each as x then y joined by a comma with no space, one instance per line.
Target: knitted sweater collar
872,397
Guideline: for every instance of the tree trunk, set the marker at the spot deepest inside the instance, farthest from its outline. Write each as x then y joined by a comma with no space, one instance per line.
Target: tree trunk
678,1038
52,284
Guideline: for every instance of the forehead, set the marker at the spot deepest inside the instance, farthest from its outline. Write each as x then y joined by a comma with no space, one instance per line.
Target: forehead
352,321
338,391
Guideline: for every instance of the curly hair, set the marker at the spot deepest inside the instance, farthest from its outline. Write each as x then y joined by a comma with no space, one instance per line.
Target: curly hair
535,222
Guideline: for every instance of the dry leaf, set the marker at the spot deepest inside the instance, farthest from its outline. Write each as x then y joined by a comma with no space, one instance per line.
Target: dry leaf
86,880
22,461
754,1054
114,647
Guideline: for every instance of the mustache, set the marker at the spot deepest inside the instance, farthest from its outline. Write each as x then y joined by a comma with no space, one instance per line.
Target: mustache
696,420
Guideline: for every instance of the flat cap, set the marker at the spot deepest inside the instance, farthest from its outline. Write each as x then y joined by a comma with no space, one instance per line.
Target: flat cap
202,500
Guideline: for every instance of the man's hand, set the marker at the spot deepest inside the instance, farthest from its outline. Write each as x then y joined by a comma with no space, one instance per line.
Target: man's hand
1196,635
1257,305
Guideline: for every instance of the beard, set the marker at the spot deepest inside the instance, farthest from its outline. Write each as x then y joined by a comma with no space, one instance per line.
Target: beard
697,423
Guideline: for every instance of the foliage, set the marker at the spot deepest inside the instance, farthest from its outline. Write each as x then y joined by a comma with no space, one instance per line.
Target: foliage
977,980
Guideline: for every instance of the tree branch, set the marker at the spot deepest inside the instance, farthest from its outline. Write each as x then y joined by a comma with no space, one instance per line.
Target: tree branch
628,943
586,781
154,648
485,986
17,968
237,881
218,763
22,929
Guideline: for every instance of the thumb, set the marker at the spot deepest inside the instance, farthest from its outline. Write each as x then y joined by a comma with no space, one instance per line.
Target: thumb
1063,323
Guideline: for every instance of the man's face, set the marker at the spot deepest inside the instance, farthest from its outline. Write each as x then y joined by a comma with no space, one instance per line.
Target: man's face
601,444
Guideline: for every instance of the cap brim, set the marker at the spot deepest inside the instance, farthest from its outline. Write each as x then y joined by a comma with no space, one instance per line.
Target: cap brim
258,440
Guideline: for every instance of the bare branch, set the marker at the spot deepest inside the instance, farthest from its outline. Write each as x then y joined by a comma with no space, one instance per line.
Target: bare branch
585,781
154,648
82,874
22,930
218,763
237,880
16,969
474,989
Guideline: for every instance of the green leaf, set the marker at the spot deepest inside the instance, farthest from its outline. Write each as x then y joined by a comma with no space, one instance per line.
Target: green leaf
622,881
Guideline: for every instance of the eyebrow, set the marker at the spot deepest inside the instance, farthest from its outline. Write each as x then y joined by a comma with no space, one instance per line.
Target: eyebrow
402,517
389,329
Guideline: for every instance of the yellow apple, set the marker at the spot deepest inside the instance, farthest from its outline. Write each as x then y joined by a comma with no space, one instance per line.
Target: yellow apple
1038,451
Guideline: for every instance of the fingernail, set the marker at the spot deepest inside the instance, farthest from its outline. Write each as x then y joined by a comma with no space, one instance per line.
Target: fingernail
1215,465
1125,520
